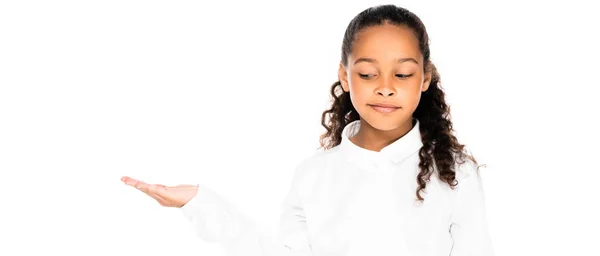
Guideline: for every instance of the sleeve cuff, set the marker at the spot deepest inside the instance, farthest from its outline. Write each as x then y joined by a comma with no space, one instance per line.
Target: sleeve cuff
213,218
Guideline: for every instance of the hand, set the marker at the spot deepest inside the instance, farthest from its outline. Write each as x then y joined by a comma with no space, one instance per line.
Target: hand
176,196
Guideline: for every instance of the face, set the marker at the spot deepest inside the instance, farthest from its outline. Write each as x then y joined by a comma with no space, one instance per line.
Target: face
385,76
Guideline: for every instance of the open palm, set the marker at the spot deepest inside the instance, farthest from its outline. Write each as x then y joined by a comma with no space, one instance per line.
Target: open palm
167,196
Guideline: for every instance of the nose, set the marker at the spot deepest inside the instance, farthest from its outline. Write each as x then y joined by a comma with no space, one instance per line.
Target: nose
385,89
385,92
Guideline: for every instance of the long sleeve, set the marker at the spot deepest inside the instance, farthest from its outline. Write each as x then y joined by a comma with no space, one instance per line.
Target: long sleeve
216,220
469,228
292,224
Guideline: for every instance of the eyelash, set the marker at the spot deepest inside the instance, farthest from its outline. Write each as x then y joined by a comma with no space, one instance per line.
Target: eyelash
401,76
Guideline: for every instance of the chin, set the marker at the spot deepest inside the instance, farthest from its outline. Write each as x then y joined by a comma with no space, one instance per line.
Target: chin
384,123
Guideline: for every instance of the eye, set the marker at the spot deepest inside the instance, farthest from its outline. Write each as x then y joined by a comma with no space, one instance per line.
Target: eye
365,76
403,75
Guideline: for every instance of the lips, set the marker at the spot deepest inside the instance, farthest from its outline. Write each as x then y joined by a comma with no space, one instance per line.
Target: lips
382,105
384,108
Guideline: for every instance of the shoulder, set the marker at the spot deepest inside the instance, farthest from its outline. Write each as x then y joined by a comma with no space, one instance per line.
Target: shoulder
310,168
317,161
469,189
467,170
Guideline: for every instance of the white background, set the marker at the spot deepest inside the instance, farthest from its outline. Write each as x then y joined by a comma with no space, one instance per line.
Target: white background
230,94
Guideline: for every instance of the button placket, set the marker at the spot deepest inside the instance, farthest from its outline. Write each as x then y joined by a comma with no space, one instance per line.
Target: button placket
378,163
382,166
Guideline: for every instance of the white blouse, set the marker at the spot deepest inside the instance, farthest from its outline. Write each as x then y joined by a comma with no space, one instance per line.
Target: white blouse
352,201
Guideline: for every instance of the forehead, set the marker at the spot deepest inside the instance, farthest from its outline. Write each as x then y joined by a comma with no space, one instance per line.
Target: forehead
386,43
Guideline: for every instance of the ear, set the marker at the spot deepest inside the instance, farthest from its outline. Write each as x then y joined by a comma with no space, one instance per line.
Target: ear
427,81
343,77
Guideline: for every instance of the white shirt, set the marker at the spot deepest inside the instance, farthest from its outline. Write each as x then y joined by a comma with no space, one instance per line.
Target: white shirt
352,201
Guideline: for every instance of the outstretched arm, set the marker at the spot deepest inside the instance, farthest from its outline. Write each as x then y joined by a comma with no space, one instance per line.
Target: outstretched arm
215,220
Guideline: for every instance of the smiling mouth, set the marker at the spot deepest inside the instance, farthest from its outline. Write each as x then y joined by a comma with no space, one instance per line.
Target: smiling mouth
384,108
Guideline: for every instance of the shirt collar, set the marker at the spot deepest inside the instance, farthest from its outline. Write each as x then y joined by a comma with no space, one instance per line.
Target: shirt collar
396,152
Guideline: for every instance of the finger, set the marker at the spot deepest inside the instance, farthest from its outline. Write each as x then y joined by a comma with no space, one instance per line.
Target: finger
153,188
161,194
130,181
135,183
142,186
158,198
158,190
127,179
152,191
146,188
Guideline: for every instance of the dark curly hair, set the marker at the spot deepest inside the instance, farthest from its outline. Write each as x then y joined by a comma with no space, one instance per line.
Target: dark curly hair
441,149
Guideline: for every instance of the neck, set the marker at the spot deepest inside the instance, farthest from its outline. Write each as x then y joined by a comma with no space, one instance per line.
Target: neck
370,138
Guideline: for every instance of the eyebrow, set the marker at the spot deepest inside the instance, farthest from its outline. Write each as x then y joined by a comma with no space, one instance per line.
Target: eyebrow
400,60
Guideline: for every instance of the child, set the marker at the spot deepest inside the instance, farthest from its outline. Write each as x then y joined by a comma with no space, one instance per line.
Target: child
393,179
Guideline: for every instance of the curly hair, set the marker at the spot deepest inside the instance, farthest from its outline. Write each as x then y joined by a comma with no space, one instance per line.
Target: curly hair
441,149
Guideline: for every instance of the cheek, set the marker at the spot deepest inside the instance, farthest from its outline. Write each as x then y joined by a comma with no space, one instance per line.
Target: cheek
358,99
410,91
411,96
360,94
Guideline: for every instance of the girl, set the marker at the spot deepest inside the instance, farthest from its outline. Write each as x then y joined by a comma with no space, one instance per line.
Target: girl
392,180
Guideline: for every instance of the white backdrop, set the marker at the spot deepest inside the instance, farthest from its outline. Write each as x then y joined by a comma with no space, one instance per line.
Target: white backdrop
230,94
